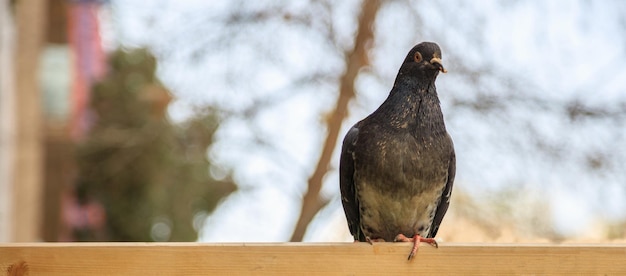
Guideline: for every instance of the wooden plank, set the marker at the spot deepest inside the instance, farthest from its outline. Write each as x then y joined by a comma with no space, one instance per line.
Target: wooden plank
308,259
27,182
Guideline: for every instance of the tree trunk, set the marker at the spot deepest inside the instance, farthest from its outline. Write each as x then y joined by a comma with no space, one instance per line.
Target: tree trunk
355,60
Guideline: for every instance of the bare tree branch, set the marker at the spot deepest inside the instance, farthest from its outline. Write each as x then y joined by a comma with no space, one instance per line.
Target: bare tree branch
355,60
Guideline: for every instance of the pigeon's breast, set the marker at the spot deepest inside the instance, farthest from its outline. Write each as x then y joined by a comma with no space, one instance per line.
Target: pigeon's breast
399,181
384,215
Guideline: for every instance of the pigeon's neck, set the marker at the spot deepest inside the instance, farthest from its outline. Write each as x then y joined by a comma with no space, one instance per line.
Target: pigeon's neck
414,107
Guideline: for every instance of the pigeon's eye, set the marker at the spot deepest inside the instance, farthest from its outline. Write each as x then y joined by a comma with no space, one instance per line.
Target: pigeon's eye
417,57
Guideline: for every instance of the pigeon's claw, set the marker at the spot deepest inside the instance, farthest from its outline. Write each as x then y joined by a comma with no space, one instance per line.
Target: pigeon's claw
416,240
372,241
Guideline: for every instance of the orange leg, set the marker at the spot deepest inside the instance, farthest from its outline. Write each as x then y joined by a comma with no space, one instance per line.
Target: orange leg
416,240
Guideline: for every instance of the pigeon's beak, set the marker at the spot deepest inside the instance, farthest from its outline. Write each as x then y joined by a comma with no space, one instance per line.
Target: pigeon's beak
437,62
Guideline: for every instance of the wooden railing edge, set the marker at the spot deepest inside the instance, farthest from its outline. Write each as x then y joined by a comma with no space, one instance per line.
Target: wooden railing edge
308,258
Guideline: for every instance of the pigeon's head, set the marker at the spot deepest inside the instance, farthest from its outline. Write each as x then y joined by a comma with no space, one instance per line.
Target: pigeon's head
423,60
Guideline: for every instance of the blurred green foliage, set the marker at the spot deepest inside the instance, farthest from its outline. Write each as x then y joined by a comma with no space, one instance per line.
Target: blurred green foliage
151,175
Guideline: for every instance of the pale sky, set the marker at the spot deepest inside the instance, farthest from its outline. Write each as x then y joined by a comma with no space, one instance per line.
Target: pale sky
564,50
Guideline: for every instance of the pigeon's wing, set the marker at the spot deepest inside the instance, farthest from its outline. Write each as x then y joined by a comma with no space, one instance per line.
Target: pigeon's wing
445,197
347,185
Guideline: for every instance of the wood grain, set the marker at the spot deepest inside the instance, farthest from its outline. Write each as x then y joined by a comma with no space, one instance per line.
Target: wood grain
308,259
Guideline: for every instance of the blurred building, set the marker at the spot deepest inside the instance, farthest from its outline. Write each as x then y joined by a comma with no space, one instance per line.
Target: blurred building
50,55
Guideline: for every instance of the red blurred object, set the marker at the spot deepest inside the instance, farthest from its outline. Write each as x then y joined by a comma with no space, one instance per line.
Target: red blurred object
89,61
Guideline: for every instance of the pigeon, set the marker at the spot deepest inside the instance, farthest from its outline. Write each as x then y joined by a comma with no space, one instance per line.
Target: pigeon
397,165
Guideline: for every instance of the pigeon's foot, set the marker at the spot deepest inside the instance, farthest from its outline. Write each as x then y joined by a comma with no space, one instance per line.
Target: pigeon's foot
372,241
416,240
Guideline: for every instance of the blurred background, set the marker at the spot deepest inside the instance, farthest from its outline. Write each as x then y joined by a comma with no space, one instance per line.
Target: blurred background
221,121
